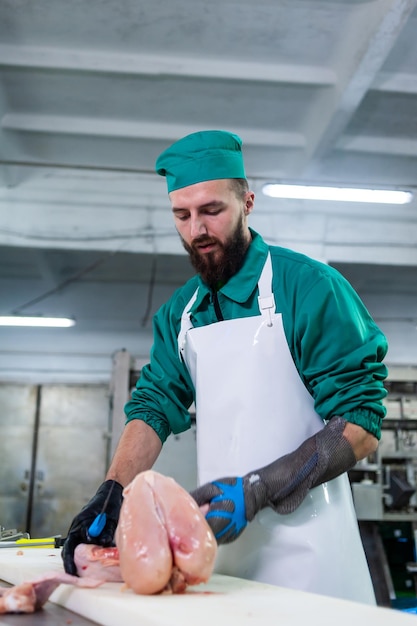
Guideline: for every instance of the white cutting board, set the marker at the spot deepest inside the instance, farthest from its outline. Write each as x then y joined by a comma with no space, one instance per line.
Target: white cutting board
223,600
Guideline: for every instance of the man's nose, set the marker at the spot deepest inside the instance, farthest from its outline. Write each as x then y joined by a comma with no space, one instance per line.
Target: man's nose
198,227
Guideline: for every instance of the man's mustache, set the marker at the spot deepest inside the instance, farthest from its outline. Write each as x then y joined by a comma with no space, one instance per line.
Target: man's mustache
203,241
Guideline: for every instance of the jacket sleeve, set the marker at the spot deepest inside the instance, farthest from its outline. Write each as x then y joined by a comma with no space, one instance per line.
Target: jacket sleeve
164,391
338,350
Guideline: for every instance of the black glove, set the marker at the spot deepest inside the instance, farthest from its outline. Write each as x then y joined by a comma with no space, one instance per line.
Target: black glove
282,485
78,531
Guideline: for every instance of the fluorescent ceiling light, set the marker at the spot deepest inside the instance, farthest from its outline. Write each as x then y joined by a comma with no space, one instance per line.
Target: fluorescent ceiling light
45,322
342,194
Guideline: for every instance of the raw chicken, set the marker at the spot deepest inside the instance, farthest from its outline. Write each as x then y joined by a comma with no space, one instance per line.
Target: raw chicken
97,562
164,541
30,596
19,599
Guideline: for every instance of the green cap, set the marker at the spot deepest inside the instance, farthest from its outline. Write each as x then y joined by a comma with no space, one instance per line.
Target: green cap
206,155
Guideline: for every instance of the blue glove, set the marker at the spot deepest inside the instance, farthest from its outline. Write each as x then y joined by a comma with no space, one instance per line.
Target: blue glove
234,519
229,512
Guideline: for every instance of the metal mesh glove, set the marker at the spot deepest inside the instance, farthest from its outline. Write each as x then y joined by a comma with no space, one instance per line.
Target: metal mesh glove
78,531
282,485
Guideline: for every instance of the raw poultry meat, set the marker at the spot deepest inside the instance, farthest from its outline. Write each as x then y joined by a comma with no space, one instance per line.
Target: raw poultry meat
97,562
30,596
164,540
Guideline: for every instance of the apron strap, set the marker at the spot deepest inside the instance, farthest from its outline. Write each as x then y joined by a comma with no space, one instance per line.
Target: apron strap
266,298
186,324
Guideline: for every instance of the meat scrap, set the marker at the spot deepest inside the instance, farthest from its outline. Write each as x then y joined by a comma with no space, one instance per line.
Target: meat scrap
164,540
19,599
30,596
98,563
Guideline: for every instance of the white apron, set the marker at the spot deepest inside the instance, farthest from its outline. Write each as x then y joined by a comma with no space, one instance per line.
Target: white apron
252,408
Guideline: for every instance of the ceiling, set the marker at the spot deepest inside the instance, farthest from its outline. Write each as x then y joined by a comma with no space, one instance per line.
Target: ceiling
321,91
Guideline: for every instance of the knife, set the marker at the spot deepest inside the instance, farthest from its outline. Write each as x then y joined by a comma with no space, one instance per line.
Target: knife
99,522
44,542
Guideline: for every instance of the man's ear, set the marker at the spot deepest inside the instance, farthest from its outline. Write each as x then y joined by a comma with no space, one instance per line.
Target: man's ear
249,202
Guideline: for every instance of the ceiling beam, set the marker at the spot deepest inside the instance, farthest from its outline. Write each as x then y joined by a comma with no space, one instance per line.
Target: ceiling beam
398,146
399,82
37,57
30,122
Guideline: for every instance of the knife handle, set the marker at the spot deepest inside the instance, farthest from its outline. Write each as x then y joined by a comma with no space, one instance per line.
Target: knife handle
97,525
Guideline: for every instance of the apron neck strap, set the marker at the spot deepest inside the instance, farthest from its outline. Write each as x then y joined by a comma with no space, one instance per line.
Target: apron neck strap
266,298
186,324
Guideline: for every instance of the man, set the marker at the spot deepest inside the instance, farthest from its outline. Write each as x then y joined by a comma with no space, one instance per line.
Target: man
284,364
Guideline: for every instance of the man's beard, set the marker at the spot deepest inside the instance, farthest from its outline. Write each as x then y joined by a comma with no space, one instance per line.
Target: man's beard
215,268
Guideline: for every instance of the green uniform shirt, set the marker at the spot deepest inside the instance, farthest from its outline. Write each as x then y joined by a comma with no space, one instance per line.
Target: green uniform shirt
336,346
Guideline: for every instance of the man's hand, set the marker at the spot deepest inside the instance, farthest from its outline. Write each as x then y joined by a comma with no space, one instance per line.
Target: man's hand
282,485
227,515
78,532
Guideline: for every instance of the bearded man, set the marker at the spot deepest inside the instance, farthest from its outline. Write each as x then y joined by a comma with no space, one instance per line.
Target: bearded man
285,366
